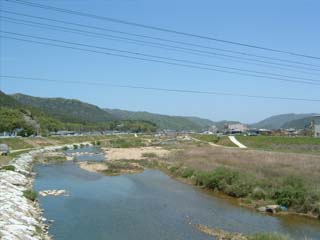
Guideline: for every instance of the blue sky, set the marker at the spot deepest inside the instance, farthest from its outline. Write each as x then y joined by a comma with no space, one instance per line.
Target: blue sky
287,25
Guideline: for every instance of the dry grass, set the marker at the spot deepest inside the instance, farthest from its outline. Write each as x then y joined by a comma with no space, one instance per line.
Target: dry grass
262,164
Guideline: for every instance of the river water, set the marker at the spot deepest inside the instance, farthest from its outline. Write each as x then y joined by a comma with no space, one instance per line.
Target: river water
146,206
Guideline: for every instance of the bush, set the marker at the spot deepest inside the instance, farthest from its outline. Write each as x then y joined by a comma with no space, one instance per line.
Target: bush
8,168
292,193
225,180
258,194
30,194
187,172
241,187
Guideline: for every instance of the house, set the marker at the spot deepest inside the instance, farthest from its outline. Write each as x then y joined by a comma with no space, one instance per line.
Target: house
213,129
4,149
235,128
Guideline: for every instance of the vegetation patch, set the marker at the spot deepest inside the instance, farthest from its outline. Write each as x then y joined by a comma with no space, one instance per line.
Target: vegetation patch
127,143
122,166
8,168
30,194
225,235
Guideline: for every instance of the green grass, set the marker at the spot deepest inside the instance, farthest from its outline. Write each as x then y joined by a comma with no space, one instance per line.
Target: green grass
225,141
15,143
30,194
8,168
282,144
206,137
127,143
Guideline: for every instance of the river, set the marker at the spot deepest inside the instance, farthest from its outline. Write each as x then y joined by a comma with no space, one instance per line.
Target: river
145,206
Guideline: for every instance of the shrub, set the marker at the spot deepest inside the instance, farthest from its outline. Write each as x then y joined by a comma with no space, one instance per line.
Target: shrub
258,193
292,193
187,172
241,187
173,169
75,146
225,180
8,168
30,194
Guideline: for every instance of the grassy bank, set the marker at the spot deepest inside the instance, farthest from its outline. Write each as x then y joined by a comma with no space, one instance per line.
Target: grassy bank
308,145
257,178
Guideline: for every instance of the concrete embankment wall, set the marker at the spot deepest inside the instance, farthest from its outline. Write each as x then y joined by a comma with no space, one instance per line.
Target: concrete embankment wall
21,218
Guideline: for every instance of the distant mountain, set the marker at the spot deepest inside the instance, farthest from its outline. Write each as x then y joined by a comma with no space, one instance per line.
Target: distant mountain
66,110
279,121
33,115
164,121
300,123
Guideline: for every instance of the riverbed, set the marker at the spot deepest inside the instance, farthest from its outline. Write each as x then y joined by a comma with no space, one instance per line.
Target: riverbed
148,205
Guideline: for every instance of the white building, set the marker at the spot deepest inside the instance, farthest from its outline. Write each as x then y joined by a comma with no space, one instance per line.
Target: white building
213,129
317,130
236,128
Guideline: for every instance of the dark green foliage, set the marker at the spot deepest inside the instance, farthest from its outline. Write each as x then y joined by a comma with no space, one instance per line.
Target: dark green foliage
8,168
187,172
30,194
226,180
292,192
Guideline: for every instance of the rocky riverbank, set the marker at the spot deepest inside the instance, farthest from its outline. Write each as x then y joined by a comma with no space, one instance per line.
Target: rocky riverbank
21,216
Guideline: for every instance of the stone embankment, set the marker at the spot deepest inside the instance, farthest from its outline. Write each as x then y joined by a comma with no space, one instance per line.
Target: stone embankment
20,217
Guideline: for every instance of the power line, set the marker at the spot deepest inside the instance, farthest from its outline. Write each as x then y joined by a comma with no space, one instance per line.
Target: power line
164,60
48,7
157,45
172,41
159,89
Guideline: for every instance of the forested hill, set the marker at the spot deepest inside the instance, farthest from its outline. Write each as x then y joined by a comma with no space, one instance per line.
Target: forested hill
67,110
8,101
164,121
34,115
301,123
280,121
